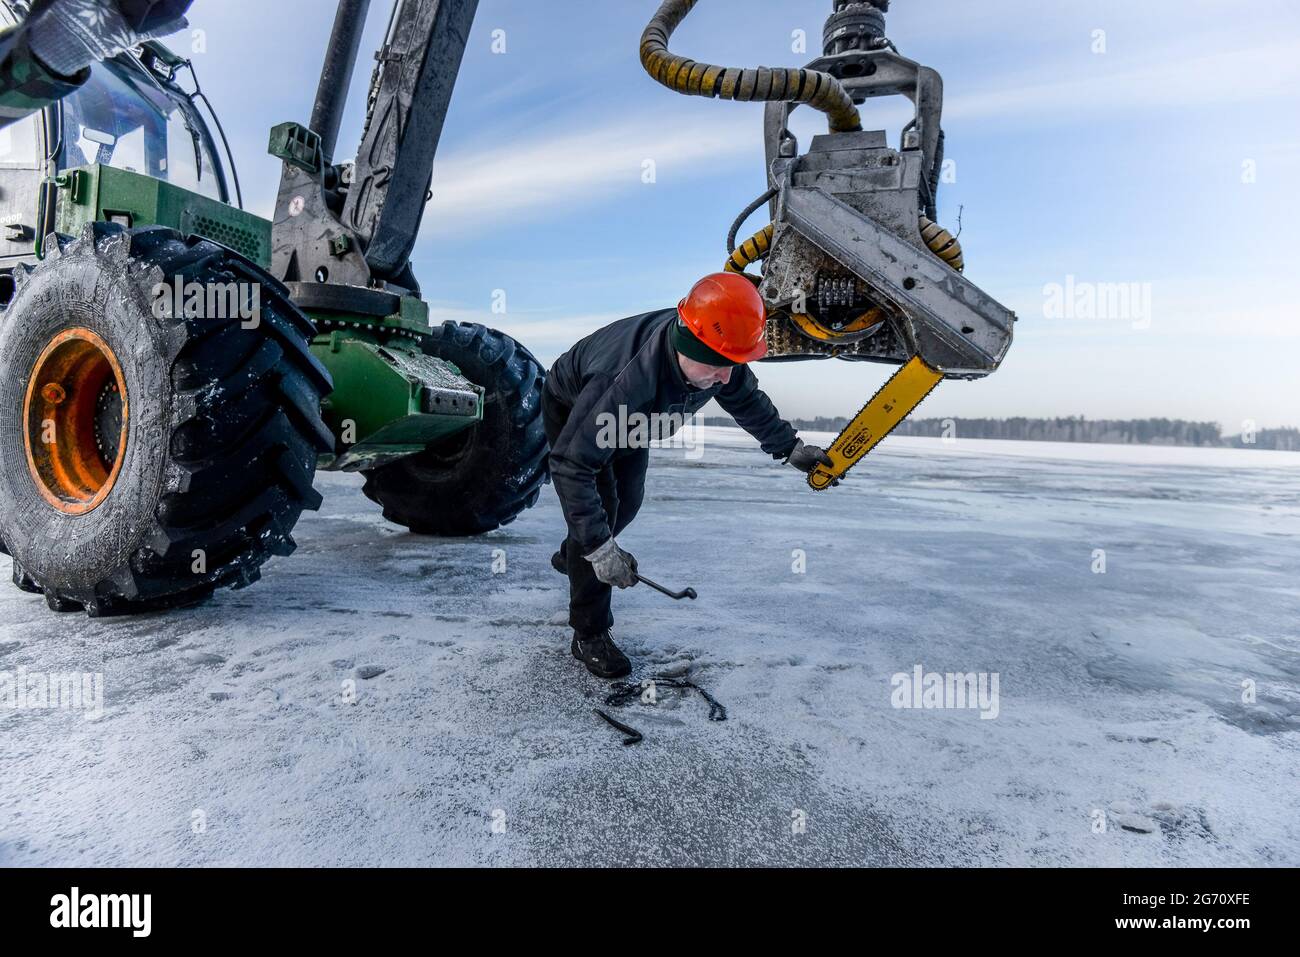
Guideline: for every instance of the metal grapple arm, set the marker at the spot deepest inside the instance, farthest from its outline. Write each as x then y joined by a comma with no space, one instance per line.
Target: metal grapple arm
356,225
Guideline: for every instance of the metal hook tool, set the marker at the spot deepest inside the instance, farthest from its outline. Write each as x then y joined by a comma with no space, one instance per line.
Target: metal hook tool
678,595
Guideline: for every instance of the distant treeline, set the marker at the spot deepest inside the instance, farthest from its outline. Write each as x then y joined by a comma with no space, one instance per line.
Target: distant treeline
1072,429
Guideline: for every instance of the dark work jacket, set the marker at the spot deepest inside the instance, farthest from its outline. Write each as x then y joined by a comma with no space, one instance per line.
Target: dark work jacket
631,366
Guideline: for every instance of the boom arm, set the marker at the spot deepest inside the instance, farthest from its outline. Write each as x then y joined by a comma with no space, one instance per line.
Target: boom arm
334,224
412,90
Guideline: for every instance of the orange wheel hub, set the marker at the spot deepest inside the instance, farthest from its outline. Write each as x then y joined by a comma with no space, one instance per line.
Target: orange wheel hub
76,415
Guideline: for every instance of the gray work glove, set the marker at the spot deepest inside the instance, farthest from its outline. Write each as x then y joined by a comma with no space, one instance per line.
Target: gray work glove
71,34
807,457
612,565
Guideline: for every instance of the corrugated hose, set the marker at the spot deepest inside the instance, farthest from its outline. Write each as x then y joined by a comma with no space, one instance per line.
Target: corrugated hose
819,90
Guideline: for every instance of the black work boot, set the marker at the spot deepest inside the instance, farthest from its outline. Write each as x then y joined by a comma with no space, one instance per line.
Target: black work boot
599,653
559,564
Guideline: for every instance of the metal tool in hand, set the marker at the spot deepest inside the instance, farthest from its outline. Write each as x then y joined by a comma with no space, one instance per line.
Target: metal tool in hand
679,595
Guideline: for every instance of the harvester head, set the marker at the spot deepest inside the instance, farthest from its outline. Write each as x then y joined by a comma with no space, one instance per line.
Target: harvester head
856,265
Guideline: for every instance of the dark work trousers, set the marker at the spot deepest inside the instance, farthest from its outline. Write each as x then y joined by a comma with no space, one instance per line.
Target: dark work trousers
622,486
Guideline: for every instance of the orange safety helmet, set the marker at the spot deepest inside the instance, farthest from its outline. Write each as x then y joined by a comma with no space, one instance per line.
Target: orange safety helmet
726,313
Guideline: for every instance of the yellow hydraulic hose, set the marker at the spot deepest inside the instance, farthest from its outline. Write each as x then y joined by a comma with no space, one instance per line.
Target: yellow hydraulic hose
751,250
819,90
942,243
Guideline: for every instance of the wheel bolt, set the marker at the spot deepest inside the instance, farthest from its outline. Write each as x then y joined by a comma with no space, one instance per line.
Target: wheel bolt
53,393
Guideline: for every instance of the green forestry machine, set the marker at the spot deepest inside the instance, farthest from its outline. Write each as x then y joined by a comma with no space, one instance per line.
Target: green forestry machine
173,370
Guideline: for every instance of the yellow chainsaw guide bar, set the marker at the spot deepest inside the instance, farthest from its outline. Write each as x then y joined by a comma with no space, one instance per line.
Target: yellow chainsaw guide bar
891,405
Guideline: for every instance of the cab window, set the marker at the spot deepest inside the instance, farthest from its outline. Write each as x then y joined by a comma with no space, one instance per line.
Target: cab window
118,118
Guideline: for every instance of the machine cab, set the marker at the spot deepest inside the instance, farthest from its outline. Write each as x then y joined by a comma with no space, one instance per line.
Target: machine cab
131,115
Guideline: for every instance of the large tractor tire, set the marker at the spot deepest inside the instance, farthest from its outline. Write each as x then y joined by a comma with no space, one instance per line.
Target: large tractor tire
151,456
481,478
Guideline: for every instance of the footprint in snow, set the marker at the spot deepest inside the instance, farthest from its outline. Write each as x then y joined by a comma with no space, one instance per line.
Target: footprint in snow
675,669
366,672
1170,819
205,658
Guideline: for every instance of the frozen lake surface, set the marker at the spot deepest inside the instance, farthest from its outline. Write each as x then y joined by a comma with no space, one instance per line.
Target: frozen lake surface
1145,715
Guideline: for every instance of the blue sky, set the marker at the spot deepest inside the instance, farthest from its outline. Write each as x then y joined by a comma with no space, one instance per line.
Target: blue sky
1170,160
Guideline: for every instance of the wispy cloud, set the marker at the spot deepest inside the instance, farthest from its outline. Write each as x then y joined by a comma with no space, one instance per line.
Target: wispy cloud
524,177
1175,79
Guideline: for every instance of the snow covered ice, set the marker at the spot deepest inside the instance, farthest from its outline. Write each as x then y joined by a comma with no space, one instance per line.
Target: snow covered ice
382,698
